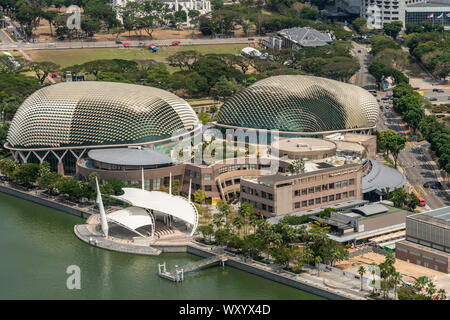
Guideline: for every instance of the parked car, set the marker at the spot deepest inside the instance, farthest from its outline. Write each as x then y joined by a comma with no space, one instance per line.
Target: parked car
251,39
118,41
433,99
427,184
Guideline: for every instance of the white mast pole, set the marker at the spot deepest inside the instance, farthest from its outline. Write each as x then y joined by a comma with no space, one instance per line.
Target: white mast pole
142,178
170,184
189,196
103,221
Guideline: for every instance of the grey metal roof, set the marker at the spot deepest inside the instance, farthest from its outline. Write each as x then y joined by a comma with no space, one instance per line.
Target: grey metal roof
306,37
439,217
382,176
338,206
371,209
129,156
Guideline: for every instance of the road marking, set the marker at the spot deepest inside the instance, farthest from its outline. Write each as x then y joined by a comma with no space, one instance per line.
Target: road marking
423,190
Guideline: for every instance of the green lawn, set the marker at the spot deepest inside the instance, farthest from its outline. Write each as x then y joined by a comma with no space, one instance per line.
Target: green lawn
69,57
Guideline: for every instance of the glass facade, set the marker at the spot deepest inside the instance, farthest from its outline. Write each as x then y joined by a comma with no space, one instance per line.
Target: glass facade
440,15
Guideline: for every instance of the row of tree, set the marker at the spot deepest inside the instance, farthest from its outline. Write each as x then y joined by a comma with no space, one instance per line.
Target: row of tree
431,46
281,242
33,174
408,104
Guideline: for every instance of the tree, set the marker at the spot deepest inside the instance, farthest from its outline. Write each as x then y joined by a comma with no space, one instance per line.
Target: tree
326,213
386,193
359,24
253,244
200,196
430,289
281,255
393,29
90,25
26,173
42,69
183,59
395,144
245,211
224,88
194,17
49,181
206,231
152,15
309,13
398,197
412,201
7,64
4,128
222,236
361,272
238,223
317,261
442,294
297,166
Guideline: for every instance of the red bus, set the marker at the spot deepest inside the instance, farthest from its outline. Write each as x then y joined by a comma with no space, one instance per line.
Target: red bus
422,201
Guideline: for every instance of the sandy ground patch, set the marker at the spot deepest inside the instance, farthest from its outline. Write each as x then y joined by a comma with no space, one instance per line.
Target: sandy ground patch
409,271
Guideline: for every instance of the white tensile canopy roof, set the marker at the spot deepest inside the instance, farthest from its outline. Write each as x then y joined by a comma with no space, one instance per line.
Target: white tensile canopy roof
131,218
176,206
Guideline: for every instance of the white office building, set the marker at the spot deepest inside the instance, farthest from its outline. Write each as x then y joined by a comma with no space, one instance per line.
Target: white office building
380,12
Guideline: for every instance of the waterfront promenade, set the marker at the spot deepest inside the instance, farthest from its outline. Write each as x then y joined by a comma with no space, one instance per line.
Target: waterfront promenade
327,285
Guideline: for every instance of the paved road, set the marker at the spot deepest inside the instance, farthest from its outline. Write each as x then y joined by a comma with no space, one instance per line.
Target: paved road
363,77
441,97
5,40
412,159
112,44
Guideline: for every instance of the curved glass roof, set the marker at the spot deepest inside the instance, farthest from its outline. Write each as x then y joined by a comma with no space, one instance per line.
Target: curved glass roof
129,156
97,113
300,104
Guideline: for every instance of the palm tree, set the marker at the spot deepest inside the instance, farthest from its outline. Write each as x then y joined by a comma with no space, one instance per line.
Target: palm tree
218,220
442,294
317,261
396,279
238,223
245,211
419,284
385,193
361,272
430,289
373,267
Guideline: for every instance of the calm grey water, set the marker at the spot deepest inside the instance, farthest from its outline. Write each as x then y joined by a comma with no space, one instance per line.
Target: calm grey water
37,244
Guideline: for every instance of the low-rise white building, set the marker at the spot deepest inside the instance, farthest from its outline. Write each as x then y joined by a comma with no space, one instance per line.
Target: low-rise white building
202,6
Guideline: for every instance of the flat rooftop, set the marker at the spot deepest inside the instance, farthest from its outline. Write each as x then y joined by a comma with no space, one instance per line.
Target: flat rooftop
439,217
349,146
356,137
303,145
431,4
273,179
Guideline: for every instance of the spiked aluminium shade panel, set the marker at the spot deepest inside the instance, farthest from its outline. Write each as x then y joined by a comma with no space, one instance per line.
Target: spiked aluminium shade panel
300,104
95,113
